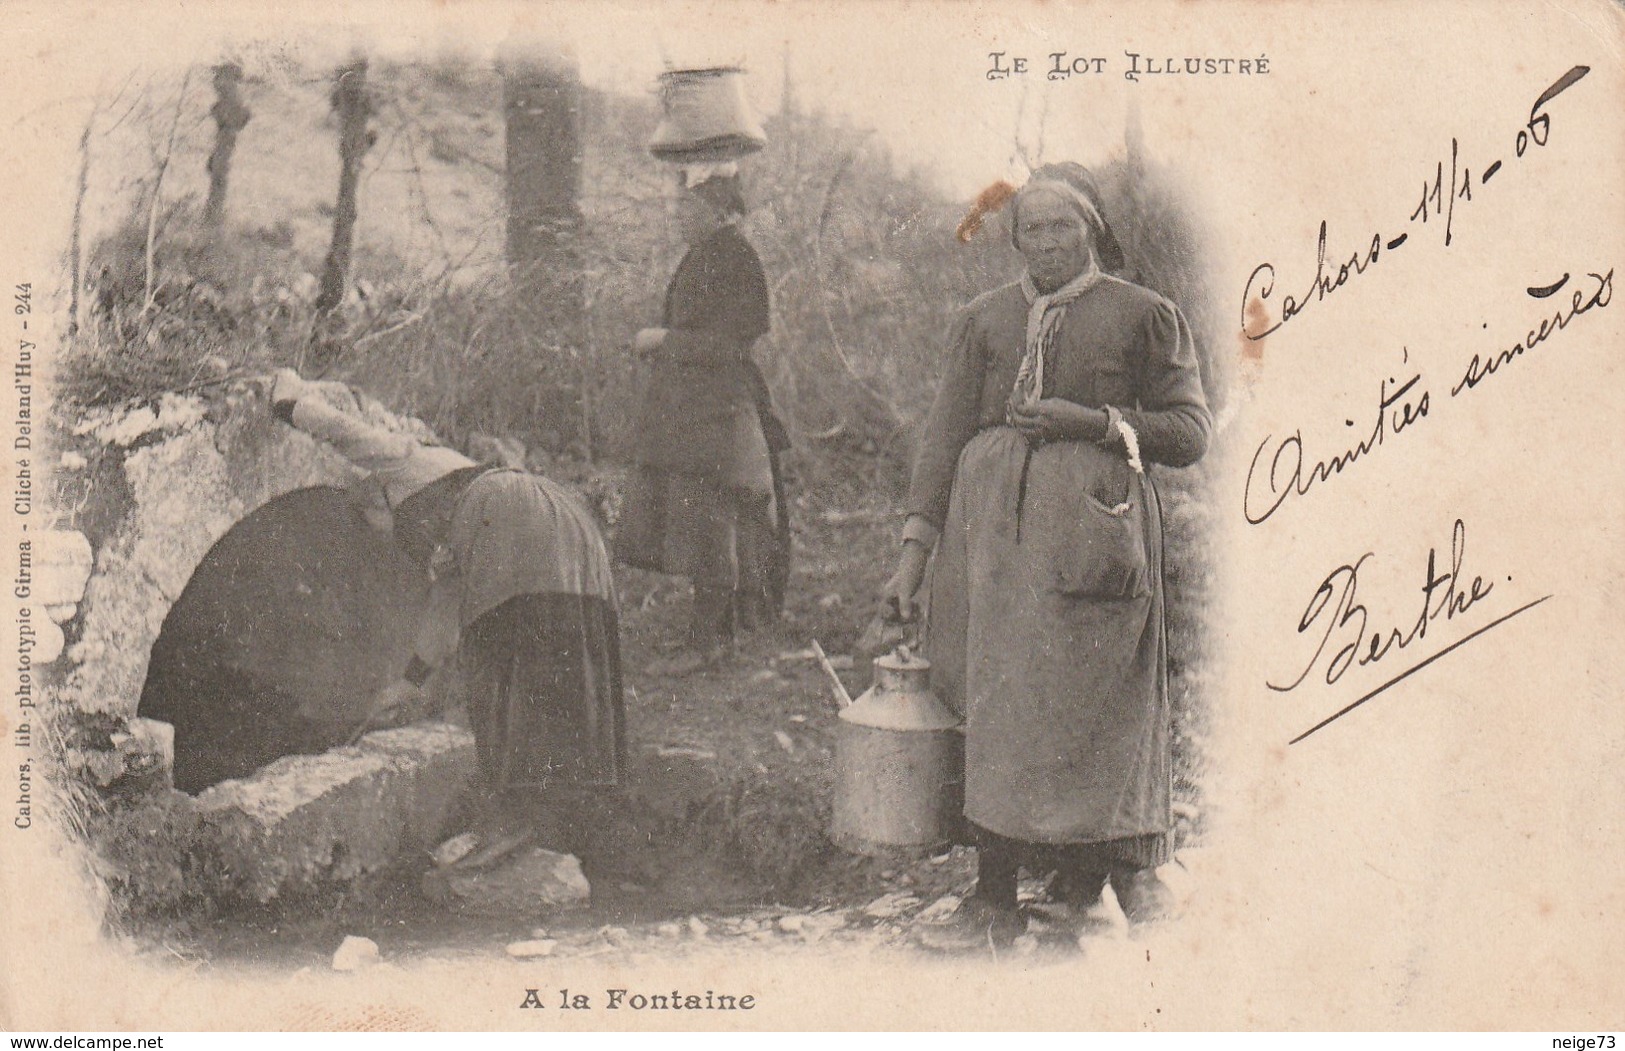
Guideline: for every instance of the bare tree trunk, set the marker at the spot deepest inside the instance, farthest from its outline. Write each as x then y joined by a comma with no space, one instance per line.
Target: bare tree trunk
157,196
542,109
350,101
542,106
75,240
230,117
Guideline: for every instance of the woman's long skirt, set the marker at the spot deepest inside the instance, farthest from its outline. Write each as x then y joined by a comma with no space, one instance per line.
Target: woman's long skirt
1046,633
544,693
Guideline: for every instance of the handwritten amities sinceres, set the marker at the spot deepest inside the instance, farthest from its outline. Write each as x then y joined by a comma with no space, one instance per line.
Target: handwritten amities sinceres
1280,467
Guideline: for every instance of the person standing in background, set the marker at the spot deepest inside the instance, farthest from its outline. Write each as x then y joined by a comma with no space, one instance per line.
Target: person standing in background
707,500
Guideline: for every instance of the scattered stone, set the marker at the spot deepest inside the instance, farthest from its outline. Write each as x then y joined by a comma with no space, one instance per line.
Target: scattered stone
669,930
530,950
785,741
792,924
62,563
616,936
816,927
455,849
940,909
530,881
749,926
888,906
355,953
798,718
697,927
538,932
673,751
147,753
1104,919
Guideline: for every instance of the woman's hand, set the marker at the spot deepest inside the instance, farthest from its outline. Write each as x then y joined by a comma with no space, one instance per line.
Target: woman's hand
648,340
897,594
1056,419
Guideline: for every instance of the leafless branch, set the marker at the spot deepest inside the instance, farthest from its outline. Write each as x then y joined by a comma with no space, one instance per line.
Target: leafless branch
157,191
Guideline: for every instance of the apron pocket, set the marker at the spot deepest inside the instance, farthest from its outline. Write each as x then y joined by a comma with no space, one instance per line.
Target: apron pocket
1094,544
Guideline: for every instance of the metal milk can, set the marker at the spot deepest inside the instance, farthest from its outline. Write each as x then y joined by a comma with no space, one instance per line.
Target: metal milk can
899,764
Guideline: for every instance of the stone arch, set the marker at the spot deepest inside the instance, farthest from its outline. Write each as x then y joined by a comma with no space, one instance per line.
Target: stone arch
190,506
281,636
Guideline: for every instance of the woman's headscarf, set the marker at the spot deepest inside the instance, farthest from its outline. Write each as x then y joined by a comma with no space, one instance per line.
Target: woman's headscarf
1074,183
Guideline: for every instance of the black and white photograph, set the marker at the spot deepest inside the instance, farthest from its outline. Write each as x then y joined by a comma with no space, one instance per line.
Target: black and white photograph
553,517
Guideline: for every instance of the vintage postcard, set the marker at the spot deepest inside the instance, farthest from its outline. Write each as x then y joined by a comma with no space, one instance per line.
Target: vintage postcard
813,516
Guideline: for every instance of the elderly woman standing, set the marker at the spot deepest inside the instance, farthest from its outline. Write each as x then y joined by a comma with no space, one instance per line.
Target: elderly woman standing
1046,626
520,590
707,502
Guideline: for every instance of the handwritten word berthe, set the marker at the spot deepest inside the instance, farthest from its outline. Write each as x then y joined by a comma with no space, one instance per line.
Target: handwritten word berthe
1347,640
1336,612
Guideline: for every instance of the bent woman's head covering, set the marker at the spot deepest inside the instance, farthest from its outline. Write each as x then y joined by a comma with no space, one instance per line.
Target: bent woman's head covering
1074,183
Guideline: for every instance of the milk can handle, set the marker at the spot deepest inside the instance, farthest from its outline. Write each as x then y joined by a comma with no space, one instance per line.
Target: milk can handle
841,695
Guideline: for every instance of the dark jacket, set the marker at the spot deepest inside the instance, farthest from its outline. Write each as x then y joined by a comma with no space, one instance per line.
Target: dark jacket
706,400
1119,345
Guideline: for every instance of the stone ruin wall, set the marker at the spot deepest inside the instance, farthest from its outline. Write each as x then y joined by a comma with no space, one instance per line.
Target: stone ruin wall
140,495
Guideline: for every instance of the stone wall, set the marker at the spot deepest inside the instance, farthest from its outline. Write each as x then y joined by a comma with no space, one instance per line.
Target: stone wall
151,490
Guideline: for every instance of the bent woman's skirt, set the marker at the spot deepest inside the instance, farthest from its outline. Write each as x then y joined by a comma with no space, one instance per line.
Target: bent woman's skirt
544,693
1046,633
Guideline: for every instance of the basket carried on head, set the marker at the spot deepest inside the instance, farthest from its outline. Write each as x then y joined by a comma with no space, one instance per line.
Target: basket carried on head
706,117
